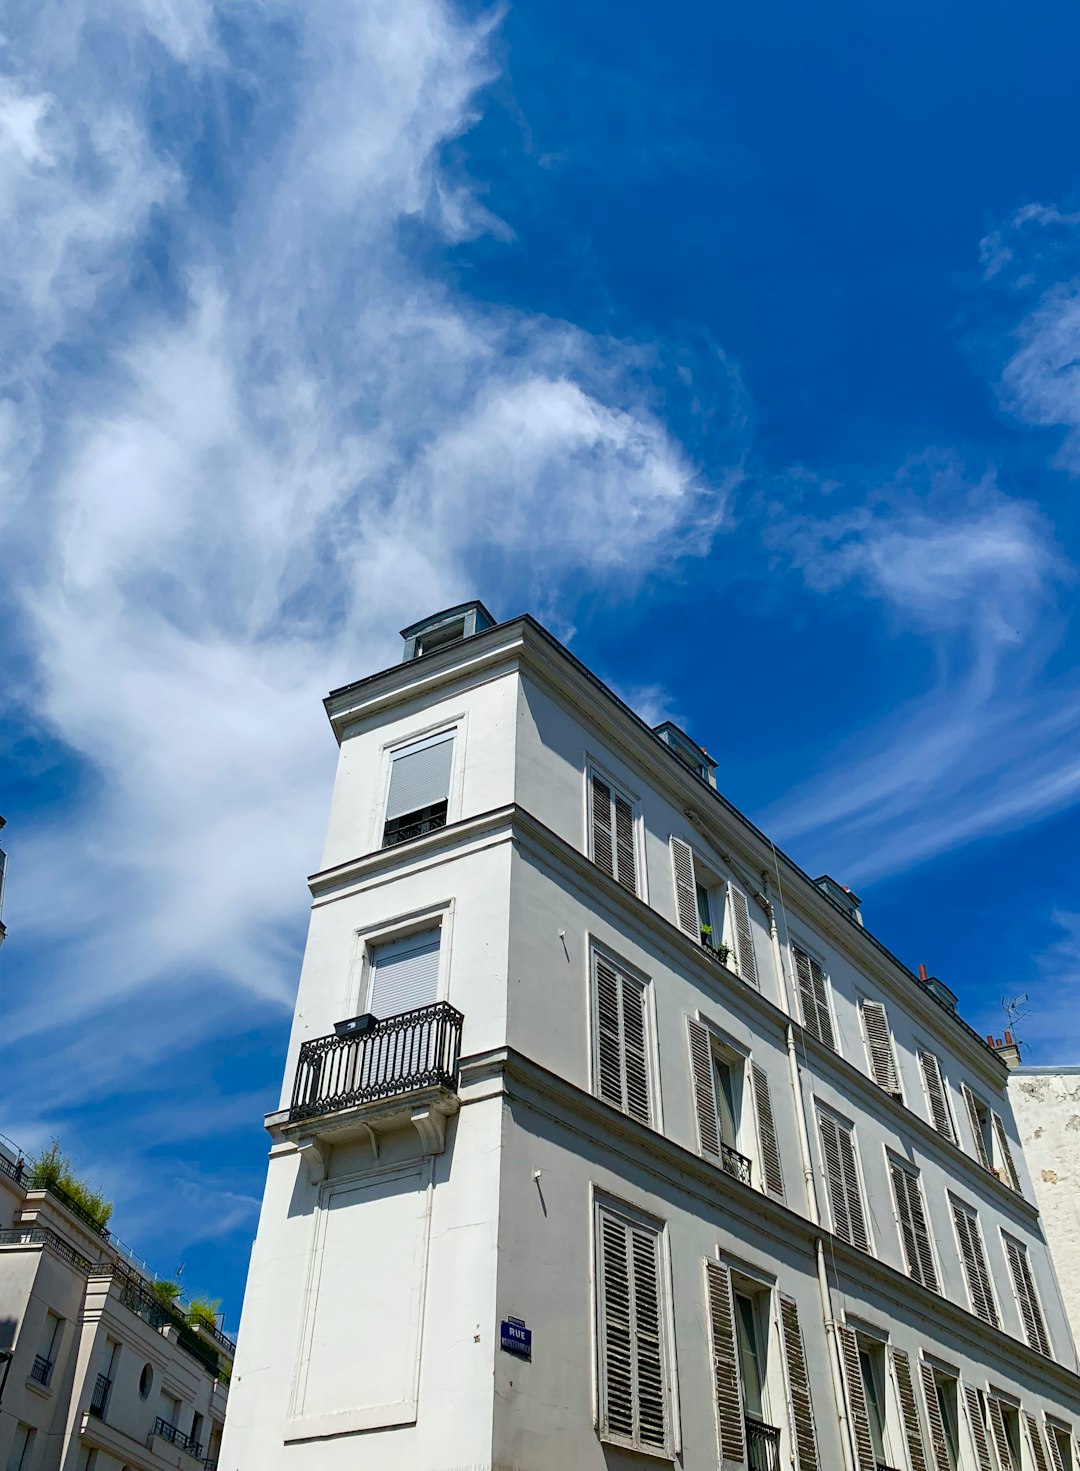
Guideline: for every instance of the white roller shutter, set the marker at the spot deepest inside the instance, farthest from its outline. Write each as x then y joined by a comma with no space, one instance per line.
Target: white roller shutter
405,974
420,775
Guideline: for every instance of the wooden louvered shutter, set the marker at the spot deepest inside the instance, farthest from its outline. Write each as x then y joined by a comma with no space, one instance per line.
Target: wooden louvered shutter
856,1398
939,1445
976,1126
633,1385
879,1043
842,1180
768,1144
936,1096
1001,1140
1056,1457
852,1193
1001,1439
686,910
603,843
743,935
625,857
703,1072
978,1429
913,1230
729,1414
813,997
622,1067
1038,1448
974,1260
1027,1301
909,1410
802,1408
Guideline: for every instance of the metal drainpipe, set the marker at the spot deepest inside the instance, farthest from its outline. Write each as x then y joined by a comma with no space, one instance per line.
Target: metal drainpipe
810,1184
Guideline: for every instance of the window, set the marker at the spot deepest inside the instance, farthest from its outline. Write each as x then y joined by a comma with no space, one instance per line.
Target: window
973,1258
719,1078
1031,1315
842,1180
419,789
872,1370
714,911
1005,1165
941,1396
977,1421
438,638
50,1344
630,1330
738,1309
909,1409
1005,1428
611,830
22,1448
621,1044
1059,1440
169,1409
404,974
196,1428
979,1121
864,1380
911,1218
146,1381
879,1048
937,1099
813,997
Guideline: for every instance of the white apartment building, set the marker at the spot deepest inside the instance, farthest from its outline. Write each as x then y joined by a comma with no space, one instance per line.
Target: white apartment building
95,1373
608,1138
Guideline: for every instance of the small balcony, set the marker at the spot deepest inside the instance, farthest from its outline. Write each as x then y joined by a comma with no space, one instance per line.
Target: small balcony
99,1400
735,1164
175,1436
762,1446
41,1370
371,1073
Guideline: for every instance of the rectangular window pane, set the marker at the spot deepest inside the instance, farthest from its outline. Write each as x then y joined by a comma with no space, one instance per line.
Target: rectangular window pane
751,1365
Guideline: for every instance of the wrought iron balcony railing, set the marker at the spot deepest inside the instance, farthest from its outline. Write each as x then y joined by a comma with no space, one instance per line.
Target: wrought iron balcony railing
762,1446
398,1055
99,1400
175,1436
42,1236
734,1163
41,1369
414,824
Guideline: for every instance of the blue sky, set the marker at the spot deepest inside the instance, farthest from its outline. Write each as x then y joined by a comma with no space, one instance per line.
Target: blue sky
738,343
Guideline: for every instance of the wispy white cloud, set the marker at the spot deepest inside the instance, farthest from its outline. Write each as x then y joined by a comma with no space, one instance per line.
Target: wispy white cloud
249,439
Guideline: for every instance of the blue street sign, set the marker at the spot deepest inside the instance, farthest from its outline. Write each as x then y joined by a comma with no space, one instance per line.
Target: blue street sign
515,1338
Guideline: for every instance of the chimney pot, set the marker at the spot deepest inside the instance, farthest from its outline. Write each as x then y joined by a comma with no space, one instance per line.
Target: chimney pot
1008,1037
922,972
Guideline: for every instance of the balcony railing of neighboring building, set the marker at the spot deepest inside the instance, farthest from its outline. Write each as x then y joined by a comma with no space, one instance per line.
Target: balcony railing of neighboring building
734,1163
175,1436
41,1369
414,824
398,1055
99,1400
762,1446
42,1236
136,1296
14,1169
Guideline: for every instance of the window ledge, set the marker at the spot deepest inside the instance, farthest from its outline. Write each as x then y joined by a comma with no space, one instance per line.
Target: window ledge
645,1452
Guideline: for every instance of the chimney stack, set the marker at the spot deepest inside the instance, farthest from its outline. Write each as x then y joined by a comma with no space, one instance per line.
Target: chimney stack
1008,1050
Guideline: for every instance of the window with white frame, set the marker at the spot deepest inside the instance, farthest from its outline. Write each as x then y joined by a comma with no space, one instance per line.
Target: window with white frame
863,1361
1027,1299
403,974
418,795
633,1372
1004,1418
721,1102
879,1047
622,1052
911,1218
613,831
941,1400
813,988
842,1179
1060,1441
973,1258
714,910
739,1310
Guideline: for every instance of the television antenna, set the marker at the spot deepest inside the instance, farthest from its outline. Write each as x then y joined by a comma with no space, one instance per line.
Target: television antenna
1015,1009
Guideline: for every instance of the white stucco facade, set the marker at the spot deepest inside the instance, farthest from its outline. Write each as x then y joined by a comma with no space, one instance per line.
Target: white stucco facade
680,1182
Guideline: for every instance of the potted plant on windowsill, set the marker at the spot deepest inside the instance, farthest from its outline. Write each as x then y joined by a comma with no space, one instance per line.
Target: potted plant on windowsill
719,950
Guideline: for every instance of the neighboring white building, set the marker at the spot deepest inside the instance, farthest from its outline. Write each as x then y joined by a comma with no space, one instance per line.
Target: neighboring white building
608,1138
1046,1102
95,1375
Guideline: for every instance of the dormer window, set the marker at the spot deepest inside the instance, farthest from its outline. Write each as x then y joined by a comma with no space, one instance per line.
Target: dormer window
440,630
438,638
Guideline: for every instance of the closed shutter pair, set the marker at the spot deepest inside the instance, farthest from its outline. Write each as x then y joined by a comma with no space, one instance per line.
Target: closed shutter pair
686,910
730,1421
858,1416
842,1181
703,1073
973,1258
1024,1286
633,1371
621,1040
612,822
813,997
914,1233
879,1045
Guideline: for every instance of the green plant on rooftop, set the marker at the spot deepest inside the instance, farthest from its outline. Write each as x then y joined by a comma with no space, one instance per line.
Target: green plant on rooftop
202,1312
167,1293
53,1170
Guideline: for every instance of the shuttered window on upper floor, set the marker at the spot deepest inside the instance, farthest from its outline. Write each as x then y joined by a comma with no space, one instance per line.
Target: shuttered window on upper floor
909,1409
842,1180
973,1257
1059,1441
937,1099
813,997
941,1401
621,1051
717,1110
914,1232
612,832
1005,1165
714,911
1004,1419
1037,1443
419,791
632,1373
979,1123
1027,1301
879,1048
